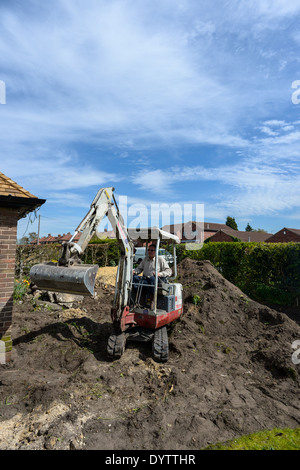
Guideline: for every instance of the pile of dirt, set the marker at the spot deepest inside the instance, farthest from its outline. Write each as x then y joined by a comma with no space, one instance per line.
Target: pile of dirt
230,372
107,276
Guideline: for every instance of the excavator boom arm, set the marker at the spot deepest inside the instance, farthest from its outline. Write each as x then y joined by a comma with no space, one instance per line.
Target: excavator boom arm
71,276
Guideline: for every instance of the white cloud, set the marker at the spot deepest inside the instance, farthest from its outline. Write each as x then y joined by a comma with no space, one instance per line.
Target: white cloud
268,130
109,68
275,122
155,181
275,8
243,188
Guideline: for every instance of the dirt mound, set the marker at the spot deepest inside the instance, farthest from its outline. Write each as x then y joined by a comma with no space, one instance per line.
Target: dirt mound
230,372
106,276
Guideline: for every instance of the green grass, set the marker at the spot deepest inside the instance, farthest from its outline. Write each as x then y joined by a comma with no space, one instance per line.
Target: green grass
276,439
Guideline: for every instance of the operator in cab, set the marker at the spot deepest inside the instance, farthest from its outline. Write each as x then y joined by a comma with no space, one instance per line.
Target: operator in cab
147,267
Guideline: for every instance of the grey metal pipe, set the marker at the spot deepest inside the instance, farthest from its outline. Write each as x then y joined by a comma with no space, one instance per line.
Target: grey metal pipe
156,275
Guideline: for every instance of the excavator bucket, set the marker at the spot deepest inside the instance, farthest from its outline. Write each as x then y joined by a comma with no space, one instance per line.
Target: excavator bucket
78,279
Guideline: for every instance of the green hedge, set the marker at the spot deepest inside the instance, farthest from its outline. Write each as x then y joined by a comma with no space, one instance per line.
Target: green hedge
265,271
103,252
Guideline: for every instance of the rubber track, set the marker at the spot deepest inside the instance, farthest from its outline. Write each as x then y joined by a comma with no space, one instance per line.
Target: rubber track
116,345
160,345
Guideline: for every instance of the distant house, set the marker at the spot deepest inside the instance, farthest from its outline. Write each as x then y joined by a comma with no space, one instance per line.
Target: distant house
106,234
67,236
229,234
193,231
285,235
213,232
46,240
197,231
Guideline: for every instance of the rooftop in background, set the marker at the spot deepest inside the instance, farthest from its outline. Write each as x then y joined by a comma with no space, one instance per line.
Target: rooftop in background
212,232
56,239
285,235
228,234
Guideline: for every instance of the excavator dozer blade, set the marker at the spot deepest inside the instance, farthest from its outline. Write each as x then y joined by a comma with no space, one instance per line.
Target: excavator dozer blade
78,279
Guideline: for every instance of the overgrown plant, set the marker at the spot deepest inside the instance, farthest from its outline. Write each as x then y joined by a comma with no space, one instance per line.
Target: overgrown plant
21,287
196,300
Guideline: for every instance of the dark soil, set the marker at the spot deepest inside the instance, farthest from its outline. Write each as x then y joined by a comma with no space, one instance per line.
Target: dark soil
230,373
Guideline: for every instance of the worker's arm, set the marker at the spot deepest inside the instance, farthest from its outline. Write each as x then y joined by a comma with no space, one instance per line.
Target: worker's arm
140,267
164,269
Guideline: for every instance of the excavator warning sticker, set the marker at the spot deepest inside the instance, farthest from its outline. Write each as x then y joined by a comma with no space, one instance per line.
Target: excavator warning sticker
122,233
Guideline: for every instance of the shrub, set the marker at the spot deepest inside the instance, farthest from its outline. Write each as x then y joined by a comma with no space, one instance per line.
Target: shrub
265,271
20,289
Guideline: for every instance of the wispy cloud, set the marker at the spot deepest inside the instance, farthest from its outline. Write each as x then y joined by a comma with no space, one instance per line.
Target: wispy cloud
109,70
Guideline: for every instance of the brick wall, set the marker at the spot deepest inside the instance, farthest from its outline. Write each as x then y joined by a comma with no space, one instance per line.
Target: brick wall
8,240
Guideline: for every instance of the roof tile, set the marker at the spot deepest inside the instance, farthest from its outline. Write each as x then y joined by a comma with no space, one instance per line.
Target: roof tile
9,188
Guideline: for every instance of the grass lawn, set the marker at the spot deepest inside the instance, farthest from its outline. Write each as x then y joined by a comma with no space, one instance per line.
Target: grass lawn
276,439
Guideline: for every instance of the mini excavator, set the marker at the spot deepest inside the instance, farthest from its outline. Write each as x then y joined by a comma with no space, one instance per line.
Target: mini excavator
133,317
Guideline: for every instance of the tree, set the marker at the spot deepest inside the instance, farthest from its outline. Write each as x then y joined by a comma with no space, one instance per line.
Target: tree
27,240
230,222
249,228
260,230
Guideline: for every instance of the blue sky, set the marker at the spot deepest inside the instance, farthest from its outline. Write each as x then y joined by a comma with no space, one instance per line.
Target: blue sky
169,101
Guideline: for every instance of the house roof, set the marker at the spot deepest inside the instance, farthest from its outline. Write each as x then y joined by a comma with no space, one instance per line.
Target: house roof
294,230
273,238
57,239
152,233
212,227
206,226
106,234
15,196
9,188
208,234
246,236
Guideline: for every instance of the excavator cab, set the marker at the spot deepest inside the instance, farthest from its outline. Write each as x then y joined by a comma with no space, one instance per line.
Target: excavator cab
152,307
